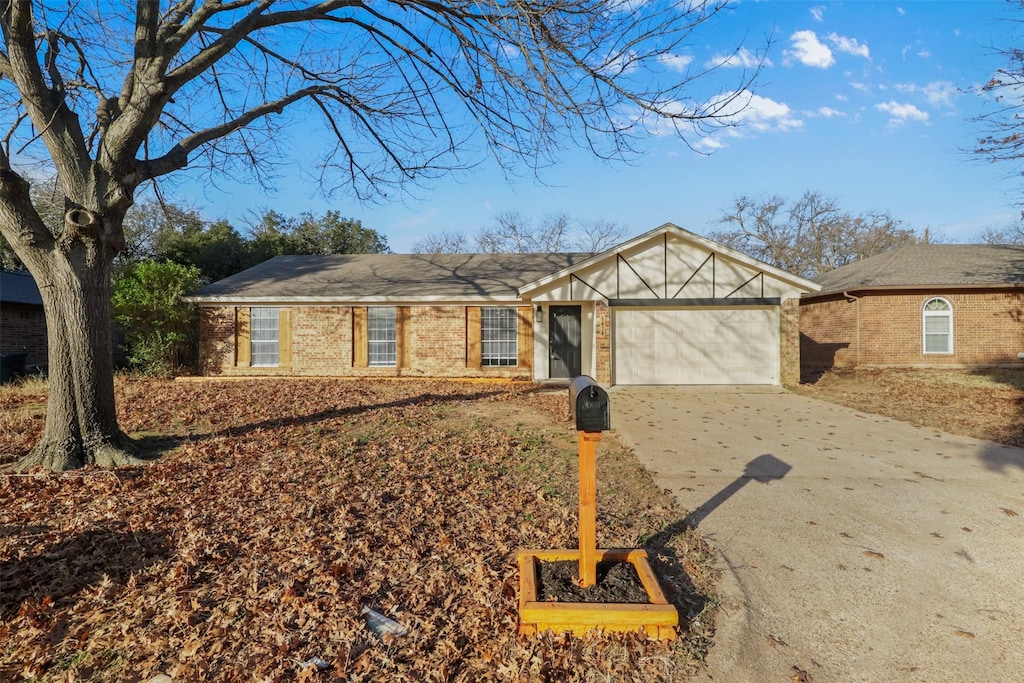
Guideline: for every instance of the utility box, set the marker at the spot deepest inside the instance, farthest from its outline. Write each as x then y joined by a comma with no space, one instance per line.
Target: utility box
588,405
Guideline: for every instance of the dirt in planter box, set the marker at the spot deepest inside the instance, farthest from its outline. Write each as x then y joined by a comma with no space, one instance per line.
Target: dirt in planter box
616,582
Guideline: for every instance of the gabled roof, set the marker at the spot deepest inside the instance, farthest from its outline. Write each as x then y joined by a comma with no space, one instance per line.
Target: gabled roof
19,288
675,230
932,265
386,277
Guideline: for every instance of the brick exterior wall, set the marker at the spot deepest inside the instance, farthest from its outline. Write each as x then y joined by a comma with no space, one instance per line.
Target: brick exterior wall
885,329
322,345
603,343
23,330
789,342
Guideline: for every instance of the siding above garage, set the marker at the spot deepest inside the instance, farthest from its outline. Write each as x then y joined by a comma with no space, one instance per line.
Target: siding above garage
674,308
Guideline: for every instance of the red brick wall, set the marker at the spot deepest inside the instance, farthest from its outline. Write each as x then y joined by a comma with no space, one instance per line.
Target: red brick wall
23,330
322,345
988,329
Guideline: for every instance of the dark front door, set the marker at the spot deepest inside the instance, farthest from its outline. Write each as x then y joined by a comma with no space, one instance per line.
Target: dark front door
564,344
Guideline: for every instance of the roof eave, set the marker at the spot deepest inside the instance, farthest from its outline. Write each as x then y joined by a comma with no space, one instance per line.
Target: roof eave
858,289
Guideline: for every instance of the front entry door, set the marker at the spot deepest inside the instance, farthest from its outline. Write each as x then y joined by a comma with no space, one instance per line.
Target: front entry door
564,346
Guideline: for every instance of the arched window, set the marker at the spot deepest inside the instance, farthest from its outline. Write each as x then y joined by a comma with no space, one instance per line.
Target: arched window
938,326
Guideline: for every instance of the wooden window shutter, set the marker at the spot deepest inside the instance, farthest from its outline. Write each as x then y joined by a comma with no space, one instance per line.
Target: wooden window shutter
243,352
525,341
284,337
404,336
360,344
473,351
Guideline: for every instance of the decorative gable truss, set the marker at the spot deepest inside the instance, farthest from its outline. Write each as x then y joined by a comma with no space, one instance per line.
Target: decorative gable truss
668,269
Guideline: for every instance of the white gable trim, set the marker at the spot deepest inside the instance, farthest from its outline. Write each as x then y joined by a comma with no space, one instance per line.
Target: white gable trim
685,235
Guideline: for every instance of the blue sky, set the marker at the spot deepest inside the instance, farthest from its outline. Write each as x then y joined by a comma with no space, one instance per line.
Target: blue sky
861,101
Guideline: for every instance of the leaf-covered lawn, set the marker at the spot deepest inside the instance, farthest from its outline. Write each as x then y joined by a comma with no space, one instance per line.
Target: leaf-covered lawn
987,403
282,508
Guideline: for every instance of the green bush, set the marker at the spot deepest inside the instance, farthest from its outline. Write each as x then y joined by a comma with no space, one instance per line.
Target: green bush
159,326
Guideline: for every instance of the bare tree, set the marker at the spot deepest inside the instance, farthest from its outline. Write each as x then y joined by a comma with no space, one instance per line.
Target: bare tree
110,96
1002,126
445,242
1011,234
810,236
515,233
598,235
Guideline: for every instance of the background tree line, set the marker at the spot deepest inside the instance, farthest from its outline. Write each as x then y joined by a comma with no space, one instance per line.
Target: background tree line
171,252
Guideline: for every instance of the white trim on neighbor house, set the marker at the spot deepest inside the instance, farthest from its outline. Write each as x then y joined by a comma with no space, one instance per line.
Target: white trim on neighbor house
934,315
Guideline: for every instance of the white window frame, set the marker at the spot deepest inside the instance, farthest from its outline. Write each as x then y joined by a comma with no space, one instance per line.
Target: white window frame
264,337
927,316
499,337
382,336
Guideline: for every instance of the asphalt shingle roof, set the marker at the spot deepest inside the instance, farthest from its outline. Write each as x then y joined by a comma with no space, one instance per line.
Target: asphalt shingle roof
932,265
19,288
410,276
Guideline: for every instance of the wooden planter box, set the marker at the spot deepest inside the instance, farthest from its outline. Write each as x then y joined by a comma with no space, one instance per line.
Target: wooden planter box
657,619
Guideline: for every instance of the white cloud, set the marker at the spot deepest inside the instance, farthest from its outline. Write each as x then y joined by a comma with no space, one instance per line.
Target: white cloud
511,51
924,54
750,112
936,93
901,113
809,51
676,62
863,87
825,113
901,11
849,45
746,114
904,51
709,144
743,58
818,12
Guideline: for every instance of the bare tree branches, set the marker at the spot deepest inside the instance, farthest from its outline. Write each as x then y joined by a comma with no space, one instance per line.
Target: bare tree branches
810,236
401,87
514,232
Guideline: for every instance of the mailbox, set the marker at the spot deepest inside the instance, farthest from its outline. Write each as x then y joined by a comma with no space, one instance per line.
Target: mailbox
588,405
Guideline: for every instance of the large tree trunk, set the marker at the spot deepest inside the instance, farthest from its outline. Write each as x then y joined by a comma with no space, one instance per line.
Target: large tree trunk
81,420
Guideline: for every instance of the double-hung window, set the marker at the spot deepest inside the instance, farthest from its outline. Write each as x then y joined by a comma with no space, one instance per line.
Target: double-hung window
499,336
381,336
938,326
264,325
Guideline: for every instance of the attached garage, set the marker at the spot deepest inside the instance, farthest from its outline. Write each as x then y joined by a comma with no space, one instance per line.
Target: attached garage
671,307
727,345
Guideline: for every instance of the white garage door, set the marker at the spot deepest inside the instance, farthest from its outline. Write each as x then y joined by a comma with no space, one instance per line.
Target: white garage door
697,346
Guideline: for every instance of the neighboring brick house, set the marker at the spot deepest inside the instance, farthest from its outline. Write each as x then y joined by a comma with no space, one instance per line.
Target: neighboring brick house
918,306
668,307
22,322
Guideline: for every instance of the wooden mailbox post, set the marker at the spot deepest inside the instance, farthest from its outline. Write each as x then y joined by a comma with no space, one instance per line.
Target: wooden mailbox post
591,411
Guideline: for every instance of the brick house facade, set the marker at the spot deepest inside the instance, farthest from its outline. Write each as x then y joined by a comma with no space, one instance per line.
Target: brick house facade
706,315
22,321
864,322
432,341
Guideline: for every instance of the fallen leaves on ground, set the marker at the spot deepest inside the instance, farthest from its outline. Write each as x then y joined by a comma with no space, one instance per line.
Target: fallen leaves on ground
284,508
987,403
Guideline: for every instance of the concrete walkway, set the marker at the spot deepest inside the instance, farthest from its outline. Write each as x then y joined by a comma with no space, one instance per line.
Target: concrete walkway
854,547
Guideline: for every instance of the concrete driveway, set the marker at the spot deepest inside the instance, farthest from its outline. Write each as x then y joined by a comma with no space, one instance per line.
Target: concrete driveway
854,547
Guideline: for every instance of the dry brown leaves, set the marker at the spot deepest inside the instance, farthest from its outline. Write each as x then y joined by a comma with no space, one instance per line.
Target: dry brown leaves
985,403
287,506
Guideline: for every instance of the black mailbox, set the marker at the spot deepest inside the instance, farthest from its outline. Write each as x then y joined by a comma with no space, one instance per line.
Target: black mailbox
588,405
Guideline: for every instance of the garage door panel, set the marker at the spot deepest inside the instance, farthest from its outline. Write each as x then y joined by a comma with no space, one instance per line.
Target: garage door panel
697,346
